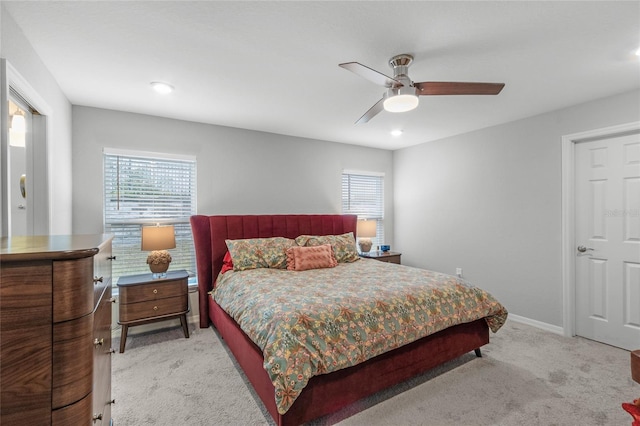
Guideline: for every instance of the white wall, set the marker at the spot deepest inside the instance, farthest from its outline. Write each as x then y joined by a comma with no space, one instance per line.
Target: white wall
490,202
239,171
17,50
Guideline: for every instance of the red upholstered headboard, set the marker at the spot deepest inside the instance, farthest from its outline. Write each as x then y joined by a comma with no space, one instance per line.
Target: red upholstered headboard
210,233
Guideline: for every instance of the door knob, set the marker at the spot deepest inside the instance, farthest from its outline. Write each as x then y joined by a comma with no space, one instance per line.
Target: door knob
583,249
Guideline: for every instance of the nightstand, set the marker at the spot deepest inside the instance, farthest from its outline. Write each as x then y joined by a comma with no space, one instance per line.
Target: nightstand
143,299
389,256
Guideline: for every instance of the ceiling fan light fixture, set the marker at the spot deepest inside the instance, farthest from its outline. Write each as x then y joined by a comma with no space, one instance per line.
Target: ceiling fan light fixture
401,103
401,99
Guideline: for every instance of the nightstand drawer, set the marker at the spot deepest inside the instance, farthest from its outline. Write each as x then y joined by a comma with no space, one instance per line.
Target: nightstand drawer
393,258
386,256
151,291
154,308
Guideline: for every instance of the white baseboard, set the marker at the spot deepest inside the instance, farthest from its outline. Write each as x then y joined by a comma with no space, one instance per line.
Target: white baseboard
538,324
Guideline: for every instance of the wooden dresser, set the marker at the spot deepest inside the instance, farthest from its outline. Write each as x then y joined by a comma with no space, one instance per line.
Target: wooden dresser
55,330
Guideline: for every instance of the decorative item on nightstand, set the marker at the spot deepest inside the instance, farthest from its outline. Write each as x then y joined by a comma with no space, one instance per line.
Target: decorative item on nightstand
158,239
366,229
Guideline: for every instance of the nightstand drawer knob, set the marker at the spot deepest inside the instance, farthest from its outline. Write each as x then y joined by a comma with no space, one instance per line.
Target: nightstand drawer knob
155,308
112,300
97,342
97,417
112,351
97,280
155,291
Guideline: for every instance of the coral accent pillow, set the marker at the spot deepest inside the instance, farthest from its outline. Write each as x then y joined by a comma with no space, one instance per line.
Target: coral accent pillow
305,258
344,246
227,263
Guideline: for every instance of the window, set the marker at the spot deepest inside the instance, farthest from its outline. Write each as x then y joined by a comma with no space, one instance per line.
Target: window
148,189
363,195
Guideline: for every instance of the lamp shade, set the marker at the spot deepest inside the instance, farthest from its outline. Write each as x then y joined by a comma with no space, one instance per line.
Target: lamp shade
158,238
18,122
366,228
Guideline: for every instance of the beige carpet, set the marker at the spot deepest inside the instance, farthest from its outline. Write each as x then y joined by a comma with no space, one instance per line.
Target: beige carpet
526,377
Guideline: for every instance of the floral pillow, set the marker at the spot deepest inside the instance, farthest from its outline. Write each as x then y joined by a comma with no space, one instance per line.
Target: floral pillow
344,246
259,253
304,258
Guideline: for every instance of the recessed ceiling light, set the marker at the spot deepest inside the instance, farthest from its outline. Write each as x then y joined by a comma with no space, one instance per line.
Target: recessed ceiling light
162,88
396,132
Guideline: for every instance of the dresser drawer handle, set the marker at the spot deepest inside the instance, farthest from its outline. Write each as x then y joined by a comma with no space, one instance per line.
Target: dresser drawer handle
112,300
97,280
155,308
112,351
111,258
113,401
97,417
97,342
155,291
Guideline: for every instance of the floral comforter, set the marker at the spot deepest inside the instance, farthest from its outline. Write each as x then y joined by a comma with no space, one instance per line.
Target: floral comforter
322,320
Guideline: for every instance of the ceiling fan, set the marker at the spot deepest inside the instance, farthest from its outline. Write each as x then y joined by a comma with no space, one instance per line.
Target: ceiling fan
402,93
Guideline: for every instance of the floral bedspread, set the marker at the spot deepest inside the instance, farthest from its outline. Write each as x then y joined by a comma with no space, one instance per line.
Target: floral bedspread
314,322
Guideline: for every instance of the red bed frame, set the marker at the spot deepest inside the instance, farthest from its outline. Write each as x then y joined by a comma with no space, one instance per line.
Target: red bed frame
326,393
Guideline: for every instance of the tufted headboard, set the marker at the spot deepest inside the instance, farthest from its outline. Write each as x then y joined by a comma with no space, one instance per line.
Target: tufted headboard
210,233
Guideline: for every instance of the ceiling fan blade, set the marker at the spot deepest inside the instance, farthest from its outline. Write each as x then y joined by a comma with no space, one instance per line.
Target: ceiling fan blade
373,111
370,74
433,88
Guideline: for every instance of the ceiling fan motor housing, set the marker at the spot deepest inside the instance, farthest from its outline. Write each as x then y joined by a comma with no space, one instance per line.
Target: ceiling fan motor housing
401,97
400,65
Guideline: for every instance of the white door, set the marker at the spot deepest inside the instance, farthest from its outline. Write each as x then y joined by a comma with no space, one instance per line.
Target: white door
608,240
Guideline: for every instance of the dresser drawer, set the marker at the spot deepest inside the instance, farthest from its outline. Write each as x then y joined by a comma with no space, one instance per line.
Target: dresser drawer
101,271
78,413
153,308
153,291
72,289
102,359
73,361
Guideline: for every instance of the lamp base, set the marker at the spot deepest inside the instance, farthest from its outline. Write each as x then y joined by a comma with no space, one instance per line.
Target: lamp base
158,261
365,245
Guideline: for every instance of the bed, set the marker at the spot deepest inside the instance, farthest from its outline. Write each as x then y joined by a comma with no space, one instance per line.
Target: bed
328,389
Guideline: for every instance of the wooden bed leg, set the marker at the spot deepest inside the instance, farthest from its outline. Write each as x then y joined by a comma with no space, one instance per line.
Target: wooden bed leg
478,353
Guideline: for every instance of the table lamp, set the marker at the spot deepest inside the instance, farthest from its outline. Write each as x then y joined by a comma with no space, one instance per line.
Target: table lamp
366,229
158,239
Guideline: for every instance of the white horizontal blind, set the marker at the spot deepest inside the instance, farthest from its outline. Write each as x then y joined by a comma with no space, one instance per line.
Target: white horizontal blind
141,190
363,195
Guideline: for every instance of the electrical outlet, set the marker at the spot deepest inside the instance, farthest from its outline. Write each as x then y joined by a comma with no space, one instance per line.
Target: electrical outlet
459,272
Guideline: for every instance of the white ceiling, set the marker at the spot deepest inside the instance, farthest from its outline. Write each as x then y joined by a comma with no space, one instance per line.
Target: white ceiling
273,66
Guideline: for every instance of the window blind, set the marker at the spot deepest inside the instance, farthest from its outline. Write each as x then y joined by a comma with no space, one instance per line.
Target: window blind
363,195
142,190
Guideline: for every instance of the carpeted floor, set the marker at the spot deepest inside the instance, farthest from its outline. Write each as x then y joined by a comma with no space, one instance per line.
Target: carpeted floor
526,377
